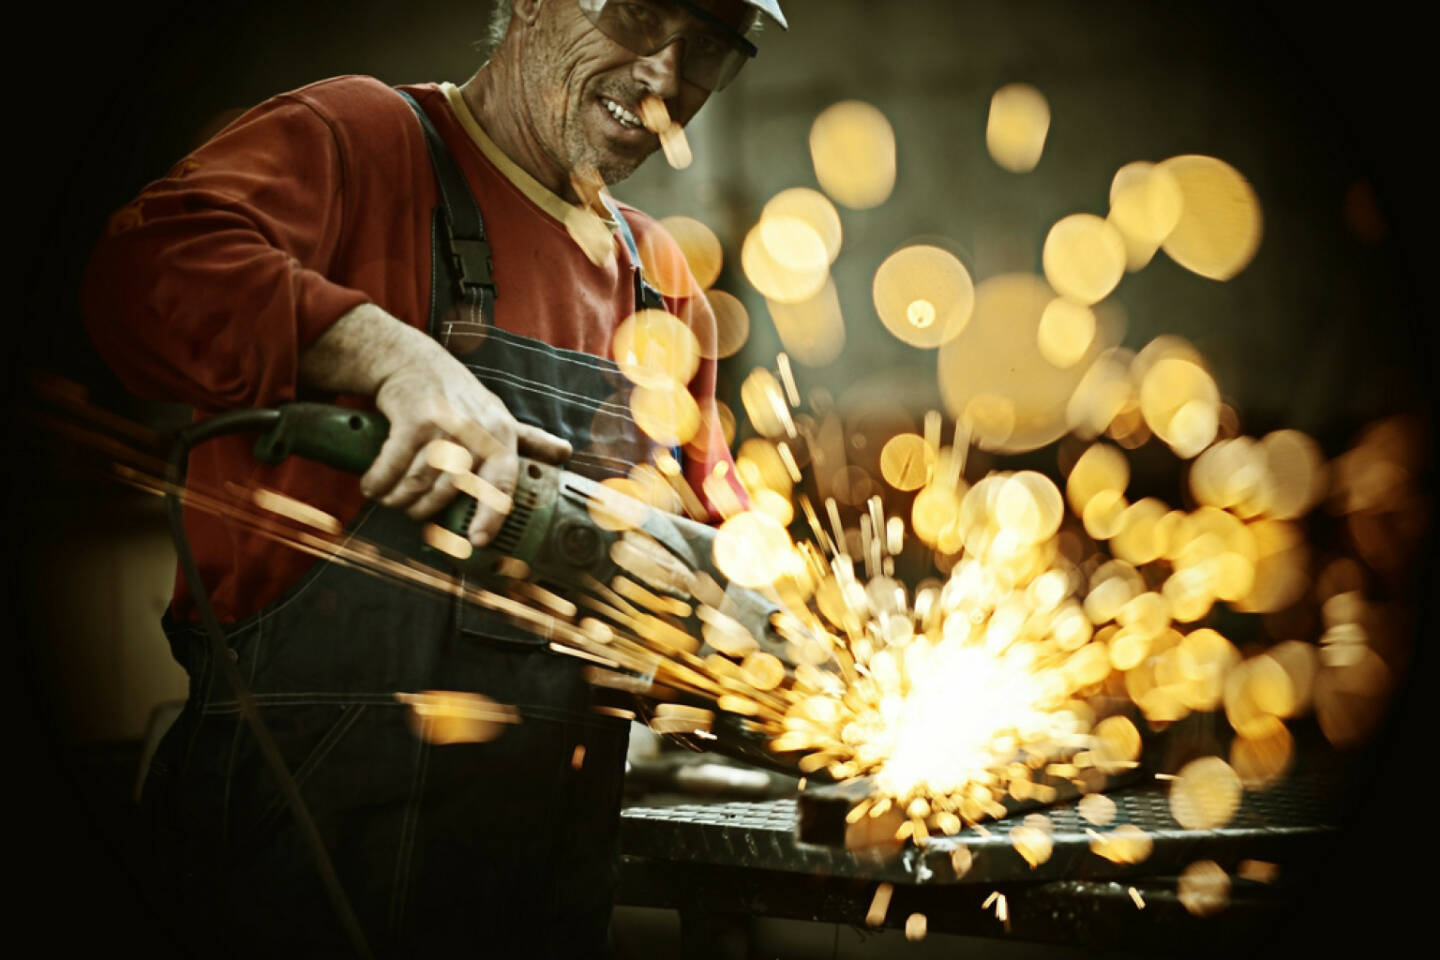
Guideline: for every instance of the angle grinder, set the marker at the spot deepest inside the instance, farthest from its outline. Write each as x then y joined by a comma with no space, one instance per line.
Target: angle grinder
552,529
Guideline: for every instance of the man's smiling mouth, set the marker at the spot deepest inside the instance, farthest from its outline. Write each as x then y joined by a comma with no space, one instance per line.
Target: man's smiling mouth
625,117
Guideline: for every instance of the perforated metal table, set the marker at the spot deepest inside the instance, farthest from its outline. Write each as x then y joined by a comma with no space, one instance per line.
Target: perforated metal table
762,835
744,859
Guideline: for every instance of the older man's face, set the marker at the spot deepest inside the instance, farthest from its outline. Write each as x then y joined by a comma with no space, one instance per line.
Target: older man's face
576,77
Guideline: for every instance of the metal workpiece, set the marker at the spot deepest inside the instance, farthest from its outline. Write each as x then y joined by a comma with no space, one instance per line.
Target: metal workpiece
1288,819
822,811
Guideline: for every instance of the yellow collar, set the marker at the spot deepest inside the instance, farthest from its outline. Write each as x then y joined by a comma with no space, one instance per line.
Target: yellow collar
542,197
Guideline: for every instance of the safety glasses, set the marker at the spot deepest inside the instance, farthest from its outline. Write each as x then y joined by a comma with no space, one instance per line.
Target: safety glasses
714,52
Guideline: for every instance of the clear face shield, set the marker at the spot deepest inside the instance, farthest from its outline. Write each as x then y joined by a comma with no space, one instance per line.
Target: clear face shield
714,52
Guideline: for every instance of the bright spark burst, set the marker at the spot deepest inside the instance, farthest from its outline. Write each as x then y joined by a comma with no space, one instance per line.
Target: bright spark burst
983,688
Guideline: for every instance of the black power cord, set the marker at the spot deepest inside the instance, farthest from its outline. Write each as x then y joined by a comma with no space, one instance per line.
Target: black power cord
186,439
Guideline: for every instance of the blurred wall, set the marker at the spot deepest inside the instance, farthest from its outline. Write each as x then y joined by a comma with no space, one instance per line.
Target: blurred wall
1301,105
1318,308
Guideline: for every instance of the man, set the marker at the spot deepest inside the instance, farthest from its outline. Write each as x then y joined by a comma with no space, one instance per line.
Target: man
408,249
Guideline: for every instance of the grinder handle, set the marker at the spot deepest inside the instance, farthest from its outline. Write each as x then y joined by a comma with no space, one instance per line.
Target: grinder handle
348,440
339,437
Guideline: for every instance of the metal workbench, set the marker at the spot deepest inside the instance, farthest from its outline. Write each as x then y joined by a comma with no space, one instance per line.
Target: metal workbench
721,862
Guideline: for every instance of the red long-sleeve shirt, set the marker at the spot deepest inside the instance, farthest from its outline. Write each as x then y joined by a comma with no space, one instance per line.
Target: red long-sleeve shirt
208,287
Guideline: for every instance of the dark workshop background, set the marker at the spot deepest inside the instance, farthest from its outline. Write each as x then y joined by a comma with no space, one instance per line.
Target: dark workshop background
1331,326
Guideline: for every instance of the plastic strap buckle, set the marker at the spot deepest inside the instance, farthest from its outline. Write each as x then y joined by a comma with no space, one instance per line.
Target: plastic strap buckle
472,262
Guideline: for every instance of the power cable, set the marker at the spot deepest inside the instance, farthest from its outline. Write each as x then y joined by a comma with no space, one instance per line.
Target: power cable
186,439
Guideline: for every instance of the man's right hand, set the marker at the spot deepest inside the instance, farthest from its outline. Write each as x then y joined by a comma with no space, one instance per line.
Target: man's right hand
427,395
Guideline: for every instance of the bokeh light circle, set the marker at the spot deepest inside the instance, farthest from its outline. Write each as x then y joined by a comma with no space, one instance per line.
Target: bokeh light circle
852,146
785,259
1145,205
1084,257
907,461
811,330
1220,223
924,295
1066,331
814,208
1027,391
668,415
732,323
1016,127
753,549
655,349
700,248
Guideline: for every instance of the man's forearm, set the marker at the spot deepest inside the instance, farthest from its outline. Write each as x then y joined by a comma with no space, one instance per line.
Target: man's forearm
361,350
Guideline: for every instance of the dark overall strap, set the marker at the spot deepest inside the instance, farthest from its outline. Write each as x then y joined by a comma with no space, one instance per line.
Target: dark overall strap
574,395
459,227
461,231
646,296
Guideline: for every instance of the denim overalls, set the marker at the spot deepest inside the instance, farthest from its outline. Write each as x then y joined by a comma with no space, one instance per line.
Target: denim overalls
506,848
